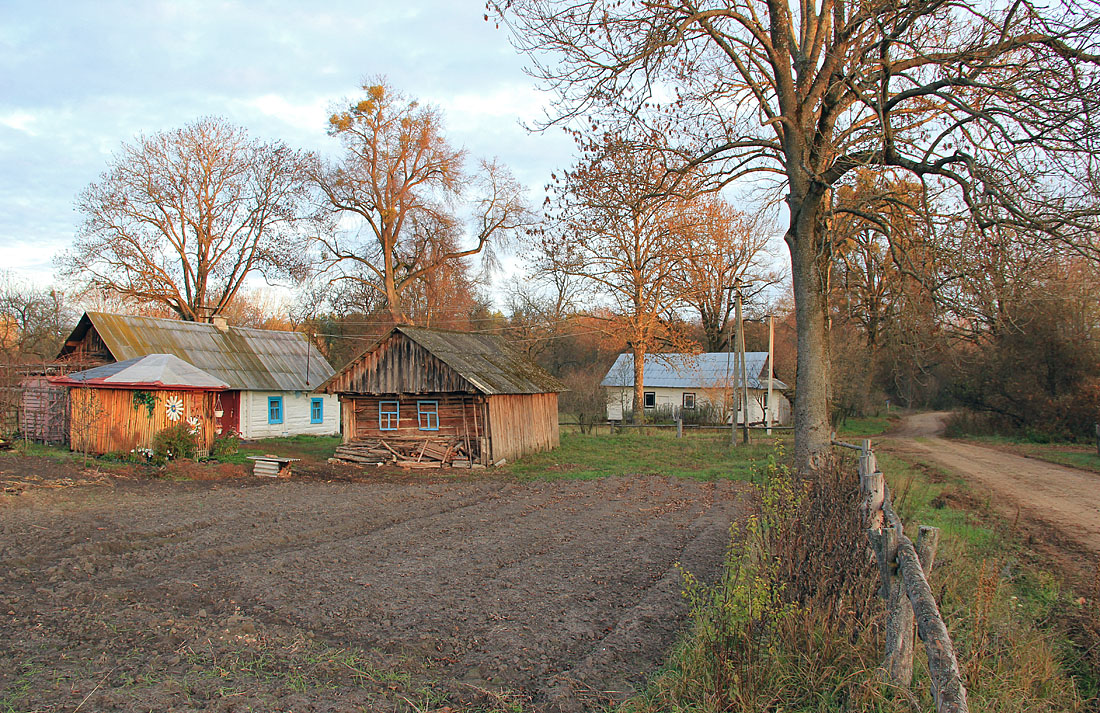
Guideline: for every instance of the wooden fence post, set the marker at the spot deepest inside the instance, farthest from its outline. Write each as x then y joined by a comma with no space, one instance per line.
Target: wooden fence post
898,662
1097,438
679,426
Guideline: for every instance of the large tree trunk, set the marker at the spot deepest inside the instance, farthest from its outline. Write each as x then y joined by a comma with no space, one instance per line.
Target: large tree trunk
639,383
811,416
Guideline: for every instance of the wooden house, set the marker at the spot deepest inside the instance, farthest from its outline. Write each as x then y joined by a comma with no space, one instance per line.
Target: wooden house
429,396
271,374
120,407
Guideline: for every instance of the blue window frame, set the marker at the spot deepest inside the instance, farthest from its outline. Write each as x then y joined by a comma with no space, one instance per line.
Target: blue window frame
427,415
389,415
316,410
274,409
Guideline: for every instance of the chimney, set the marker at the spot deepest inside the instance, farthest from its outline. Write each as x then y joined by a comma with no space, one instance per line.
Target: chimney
220,323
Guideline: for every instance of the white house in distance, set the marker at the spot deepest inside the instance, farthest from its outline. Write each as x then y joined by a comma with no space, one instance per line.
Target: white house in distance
270,374
688,381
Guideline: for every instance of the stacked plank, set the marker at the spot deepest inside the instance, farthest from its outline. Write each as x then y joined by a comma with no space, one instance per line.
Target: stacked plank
407,453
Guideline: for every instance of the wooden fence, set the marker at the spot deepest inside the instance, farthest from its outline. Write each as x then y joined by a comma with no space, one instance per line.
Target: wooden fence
904,567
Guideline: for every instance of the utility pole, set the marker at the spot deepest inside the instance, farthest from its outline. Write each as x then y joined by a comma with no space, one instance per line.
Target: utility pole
744,370
729,386
769,410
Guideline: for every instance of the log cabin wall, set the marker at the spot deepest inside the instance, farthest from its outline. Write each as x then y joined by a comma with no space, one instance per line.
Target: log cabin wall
106,420
459,416
521,424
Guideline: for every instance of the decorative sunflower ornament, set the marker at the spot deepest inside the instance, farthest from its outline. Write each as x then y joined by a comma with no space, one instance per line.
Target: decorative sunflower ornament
194,425
173,408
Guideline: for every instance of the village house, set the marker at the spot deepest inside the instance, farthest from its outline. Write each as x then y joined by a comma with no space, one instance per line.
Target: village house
430,397
270,375
683,383
121,407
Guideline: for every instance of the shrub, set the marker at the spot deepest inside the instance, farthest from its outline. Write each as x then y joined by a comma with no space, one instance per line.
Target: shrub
175,442
226,445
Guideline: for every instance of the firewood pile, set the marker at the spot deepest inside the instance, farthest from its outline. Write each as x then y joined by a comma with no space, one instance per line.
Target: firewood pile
408,453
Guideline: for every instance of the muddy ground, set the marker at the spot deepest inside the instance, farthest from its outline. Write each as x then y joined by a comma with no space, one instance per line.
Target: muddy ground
394,592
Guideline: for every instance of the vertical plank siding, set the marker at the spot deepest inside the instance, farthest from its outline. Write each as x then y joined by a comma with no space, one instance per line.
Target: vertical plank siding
399,365
521,424
106,421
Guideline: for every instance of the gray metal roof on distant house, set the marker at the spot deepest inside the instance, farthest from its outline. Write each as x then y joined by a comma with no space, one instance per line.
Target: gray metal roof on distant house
682,371
484,362
245,358
160,371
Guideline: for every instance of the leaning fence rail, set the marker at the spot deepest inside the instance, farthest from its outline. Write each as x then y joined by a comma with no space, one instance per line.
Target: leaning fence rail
904,567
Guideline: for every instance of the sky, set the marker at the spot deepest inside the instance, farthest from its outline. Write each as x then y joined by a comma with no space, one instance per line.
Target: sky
79,78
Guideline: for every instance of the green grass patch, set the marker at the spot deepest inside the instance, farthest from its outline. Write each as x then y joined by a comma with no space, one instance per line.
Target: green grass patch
308,448
705,456
866,426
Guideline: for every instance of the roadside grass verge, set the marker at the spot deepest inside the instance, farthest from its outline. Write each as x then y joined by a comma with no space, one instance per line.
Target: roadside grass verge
1006,612
704,456
1074,455
793,623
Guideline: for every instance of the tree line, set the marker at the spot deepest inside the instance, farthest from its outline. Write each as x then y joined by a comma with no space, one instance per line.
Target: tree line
934,161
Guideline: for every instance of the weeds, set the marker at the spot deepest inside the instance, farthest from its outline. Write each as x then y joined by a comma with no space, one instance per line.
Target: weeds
792,616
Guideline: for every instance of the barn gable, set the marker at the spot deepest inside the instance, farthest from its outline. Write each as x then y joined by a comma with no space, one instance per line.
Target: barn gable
417,360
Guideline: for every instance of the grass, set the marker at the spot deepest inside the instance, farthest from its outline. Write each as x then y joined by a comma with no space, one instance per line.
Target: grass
866,426
754,645
308,448
703,456
1074,455
1005,610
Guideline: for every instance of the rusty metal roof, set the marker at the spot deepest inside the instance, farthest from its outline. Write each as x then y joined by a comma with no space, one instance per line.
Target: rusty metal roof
245,358
484,360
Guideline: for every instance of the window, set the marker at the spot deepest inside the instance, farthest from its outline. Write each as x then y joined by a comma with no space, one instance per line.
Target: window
649,399
316,410
689,400
427,415
274,409
389,415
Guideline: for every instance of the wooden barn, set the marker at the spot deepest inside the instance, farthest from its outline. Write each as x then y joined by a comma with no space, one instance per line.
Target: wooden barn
120,407
429,397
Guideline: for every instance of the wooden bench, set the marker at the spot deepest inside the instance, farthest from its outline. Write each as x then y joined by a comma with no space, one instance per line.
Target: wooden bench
271,466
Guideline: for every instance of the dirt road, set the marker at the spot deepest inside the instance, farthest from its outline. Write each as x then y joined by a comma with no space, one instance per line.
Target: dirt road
1066,499
145,595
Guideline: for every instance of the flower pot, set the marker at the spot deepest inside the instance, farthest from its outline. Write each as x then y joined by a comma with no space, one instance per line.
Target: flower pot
218,413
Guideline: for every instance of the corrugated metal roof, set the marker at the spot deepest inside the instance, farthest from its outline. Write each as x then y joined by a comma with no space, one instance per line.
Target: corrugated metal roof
154,370
709,369
484,360
245,358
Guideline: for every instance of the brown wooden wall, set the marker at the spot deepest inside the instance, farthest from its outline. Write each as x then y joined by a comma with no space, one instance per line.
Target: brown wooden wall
460,415
522,423
398,366
45,410
105,420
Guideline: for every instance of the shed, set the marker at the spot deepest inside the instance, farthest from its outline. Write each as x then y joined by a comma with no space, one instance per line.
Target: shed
271,374
453,396
120,407
687,382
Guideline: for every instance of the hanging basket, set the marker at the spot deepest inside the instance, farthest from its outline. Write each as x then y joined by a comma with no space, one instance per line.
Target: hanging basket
218,413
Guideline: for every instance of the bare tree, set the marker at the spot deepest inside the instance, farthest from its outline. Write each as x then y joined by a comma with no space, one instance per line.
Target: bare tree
33,321
995,101
727,245
181,218
402,179
624,239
